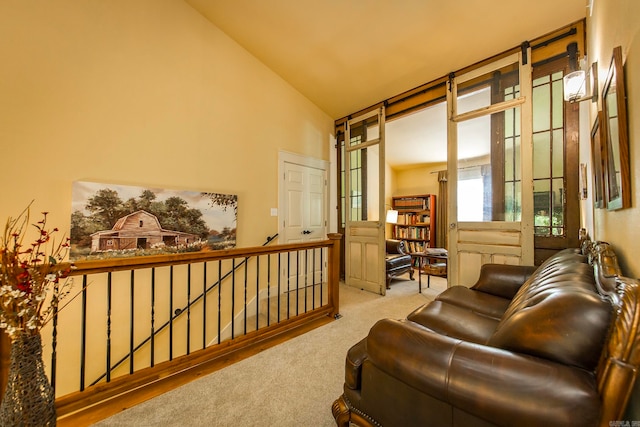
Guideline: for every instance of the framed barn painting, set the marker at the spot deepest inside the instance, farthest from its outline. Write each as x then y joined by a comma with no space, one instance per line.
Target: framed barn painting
114,221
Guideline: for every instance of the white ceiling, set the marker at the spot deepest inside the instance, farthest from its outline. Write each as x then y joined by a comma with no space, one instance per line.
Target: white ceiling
346,55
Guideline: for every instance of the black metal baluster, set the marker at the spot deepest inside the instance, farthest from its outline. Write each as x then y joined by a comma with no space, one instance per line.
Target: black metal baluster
268,289
219,299
54,341
313,279
306,278
83,334
171,312
233,298
321,275
257,291
131,323
279,283
246,282
153,316
204,304
109,326
297,283
288,282
188,308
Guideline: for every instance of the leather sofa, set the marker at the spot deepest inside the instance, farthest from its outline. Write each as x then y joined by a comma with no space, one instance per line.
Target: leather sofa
555,345
398,260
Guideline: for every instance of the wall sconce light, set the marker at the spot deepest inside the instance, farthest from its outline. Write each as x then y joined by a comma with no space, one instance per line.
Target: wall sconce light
576,84
392,216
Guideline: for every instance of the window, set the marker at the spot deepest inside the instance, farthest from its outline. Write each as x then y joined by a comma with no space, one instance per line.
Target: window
470,199
549,192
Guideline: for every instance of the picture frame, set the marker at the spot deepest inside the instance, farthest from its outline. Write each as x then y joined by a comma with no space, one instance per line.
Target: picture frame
597,160
614,107
125,221
583,194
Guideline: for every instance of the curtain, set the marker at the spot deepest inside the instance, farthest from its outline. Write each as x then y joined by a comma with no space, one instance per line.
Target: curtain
442,235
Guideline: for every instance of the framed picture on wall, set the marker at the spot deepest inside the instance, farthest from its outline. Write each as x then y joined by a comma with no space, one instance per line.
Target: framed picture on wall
597,160
614,107
114,221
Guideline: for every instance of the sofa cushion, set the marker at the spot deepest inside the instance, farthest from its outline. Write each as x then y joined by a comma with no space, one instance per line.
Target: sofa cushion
502,280
454,321
476,301
567,324
556,277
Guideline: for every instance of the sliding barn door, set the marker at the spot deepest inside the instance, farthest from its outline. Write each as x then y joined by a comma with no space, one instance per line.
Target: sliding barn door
364,189
490,182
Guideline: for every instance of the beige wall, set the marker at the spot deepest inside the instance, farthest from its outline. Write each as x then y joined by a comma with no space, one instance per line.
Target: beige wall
421,179
617,23
142,93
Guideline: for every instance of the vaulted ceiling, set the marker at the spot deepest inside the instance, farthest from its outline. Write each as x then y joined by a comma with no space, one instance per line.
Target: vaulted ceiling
346,55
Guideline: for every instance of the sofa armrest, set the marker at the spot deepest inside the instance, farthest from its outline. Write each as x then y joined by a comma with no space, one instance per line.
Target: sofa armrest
499,386
502,280
353,364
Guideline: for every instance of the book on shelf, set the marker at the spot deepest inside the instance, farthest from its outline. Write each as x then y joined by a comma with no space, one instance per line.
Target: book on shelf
410,204
411,232
414,218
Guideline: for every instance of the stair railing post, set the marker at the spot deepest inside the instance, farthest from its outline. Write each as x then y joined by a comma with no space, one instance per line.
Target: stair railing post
334,273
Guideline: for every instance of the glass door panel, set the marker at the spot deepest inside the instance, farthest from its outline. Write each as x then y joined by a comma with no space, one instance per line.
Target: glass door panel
549,156
485,90
489,163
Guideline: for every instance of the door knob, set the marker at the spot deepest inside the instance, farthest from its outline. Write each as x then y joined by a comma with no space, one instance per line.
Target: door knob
306,232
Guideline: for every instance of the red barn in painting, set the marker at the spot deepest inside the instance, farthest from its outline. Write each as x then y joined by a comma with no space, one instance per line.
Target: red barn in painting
138,230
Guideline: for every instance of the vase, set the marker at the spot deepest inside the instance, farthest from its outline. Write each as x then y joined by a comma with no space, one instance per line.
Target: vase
29,399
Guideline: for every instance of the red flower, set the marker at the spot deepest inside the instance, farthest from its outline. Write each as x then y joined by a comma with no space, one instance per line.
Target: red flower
24,281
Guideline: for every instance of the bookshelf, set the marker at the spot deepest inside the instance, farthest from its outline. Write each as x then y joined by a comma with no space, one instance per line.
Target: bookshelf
416,221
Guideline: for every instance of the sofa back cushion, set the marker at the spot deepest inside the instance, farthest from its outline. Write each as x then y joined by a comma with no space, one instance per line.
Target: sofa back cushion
557,314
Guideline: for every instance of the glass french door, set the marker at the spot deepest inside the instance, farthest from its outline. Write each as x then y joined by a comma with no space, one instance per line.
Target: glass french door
489,158
364,204
556,203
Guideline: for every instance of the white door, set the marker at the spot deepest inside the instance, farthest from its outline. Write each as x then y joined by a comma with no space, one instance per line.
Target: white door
489,168
304,220
305,190
364,189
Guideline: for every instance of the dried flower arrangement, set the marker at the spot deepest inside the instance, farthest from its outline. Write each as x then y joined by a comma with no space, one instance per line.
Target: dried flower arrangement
29,274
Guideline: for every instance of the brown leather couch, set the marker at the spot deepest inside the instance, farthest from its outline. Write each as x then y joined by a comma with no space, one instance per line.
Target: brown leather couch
550,346
398,260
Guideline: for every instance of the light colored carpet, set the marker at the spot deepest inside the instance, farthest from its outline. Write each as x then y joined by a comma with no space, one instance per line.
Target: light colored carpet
291,384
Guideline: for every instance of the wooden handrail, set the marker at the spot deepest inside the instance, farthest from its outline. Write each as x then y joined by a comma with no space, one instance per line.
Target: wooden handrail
151,261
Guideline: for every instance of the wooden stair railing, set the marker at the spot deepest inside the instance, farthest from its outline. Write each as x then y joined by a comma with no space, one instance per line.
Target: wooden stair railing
87,405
